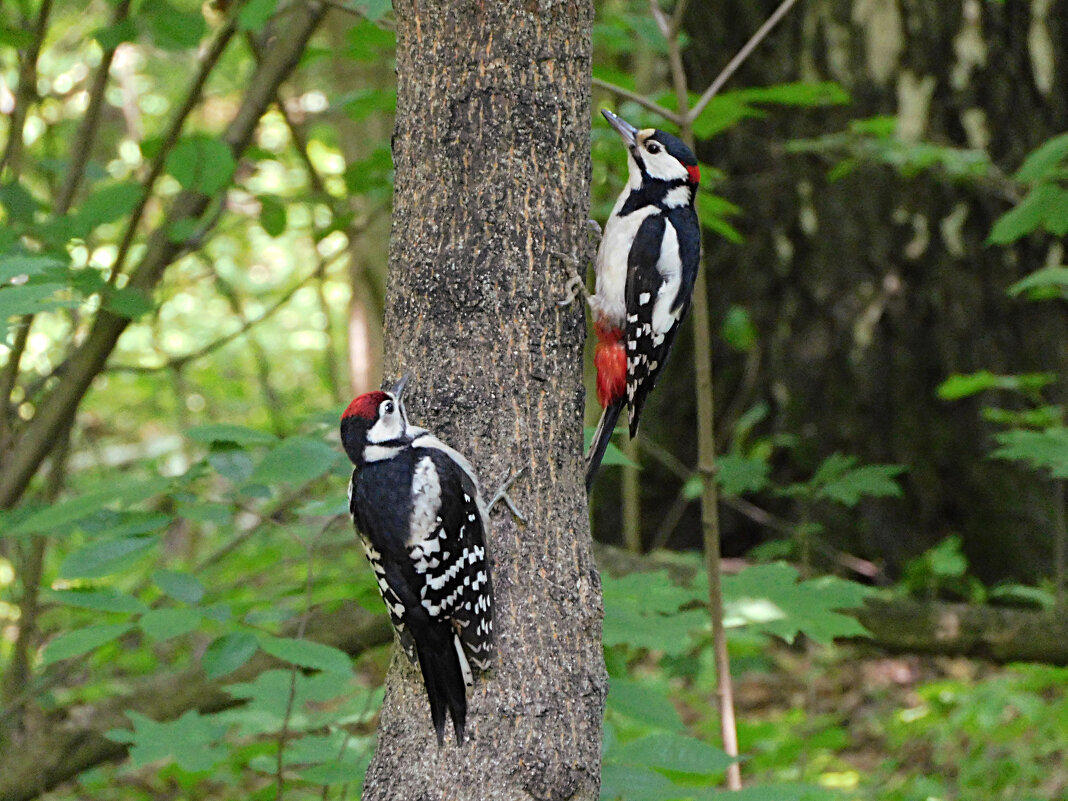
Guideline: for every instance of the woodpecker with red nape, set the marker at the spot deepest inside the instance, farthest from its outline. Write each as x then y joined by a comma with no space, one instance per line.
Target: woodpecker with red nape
420,516
646,267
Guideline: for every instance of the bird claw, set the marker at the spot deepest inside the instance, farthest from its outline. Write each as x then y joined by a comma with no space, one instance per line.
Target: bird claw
502,495
575,285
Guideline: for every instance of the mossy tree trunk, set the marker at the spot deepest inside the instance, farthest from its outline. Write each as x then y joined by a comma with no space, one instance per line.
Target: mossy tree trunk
492,160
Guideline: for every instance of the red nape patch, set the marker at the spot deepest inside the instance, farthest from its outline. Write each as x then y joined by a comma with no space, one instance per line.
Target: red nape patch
366,405
610,359
695,173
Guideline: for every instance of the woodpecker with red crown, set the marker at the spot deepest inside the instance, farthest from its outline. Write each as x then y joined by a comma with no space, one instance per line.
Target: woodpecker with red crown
646,267
419,513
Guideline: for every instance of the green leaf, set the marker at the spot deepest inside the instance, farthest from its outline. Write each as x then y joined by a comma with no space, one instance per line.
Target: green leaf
105,205
111,492
838,480
740,474
1047,277
182,230
1042,450
629,783
368,42
308,654
644,703
771,600
104,558
738,329
227,653
111,36
373,10
231,463
202,163
272,215
361,103
18,203
226,432
962,386
642,610
178,585
255,14
772,792
1044,160
946,559
803,94
163,624
613,454
296,460
192,741
170,27
319,700
677,753
81,641
23,267
128,302
1042,204
873,480
104,599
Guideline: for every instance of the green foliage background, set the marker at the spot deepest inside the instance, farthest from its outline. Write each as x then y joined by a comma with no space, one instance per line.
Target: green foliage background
198,516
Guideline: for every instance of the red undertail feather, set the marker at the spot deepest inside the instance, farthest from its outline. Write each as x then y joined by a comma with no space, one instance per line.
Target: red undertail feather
610,359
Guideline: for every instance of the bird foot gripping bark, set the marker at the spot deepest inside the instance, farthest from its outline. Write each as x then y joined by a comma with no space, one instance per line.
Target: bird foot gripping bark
501,495
576,284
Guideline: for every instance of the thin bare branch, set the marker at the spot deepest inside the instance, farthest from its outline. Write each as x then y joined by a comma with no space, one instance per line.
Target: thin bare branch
177,362
739,59
170,138
84,139
677,16
26,93
8,376
641,100
662,21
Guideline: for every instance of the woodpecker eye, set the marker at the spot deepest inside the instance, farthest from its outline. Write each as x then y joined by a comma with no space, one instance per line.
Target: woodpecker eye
653,147
387,407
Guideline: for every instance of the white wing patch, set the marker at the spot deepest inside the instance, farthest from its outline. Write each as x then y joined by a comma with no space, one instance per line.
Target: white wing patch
670,268
426,503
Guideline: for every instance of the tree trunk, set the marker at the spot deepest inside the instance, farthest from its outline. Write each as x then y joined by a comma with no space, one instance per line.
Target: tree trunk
491,150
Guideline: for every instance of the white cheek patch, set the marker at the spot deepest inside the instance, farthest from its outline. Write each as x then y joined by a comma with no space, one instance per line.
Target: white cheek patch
388,427
664,166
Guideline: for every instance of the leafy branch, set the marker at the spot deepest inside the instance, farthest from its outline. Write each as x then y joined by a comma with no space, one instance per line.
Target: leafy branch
58,408
684,118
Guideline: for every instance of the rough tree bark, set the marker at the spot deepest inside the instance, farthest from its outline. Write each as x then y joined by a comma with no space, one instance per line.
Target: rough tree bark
491,151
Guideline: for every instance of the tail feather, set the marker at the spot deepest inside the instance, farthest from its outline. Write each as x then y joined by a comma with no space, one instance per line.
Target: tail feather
601,437
444,678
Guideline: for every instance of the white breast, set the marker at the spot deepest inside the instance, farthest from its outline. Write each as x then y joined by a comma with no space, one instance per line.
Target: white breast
610,301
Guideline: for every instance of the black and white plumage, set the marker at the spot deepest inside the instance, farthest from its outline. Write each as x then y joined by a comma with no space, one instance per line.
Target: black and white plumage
646,267
420,516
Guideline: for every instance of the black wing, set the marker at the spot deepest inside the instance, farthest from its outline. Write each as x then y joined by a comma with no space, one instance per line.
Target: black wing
458,586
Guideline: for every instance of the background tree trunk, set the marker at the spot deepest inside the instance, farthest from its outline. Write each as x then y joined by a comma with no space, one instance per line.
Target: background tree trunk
870,290
491,151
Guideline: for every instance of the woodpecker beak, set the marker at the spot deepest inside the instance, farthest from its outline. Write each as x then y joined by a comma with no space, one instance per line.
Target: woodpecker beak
623,128
398,388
